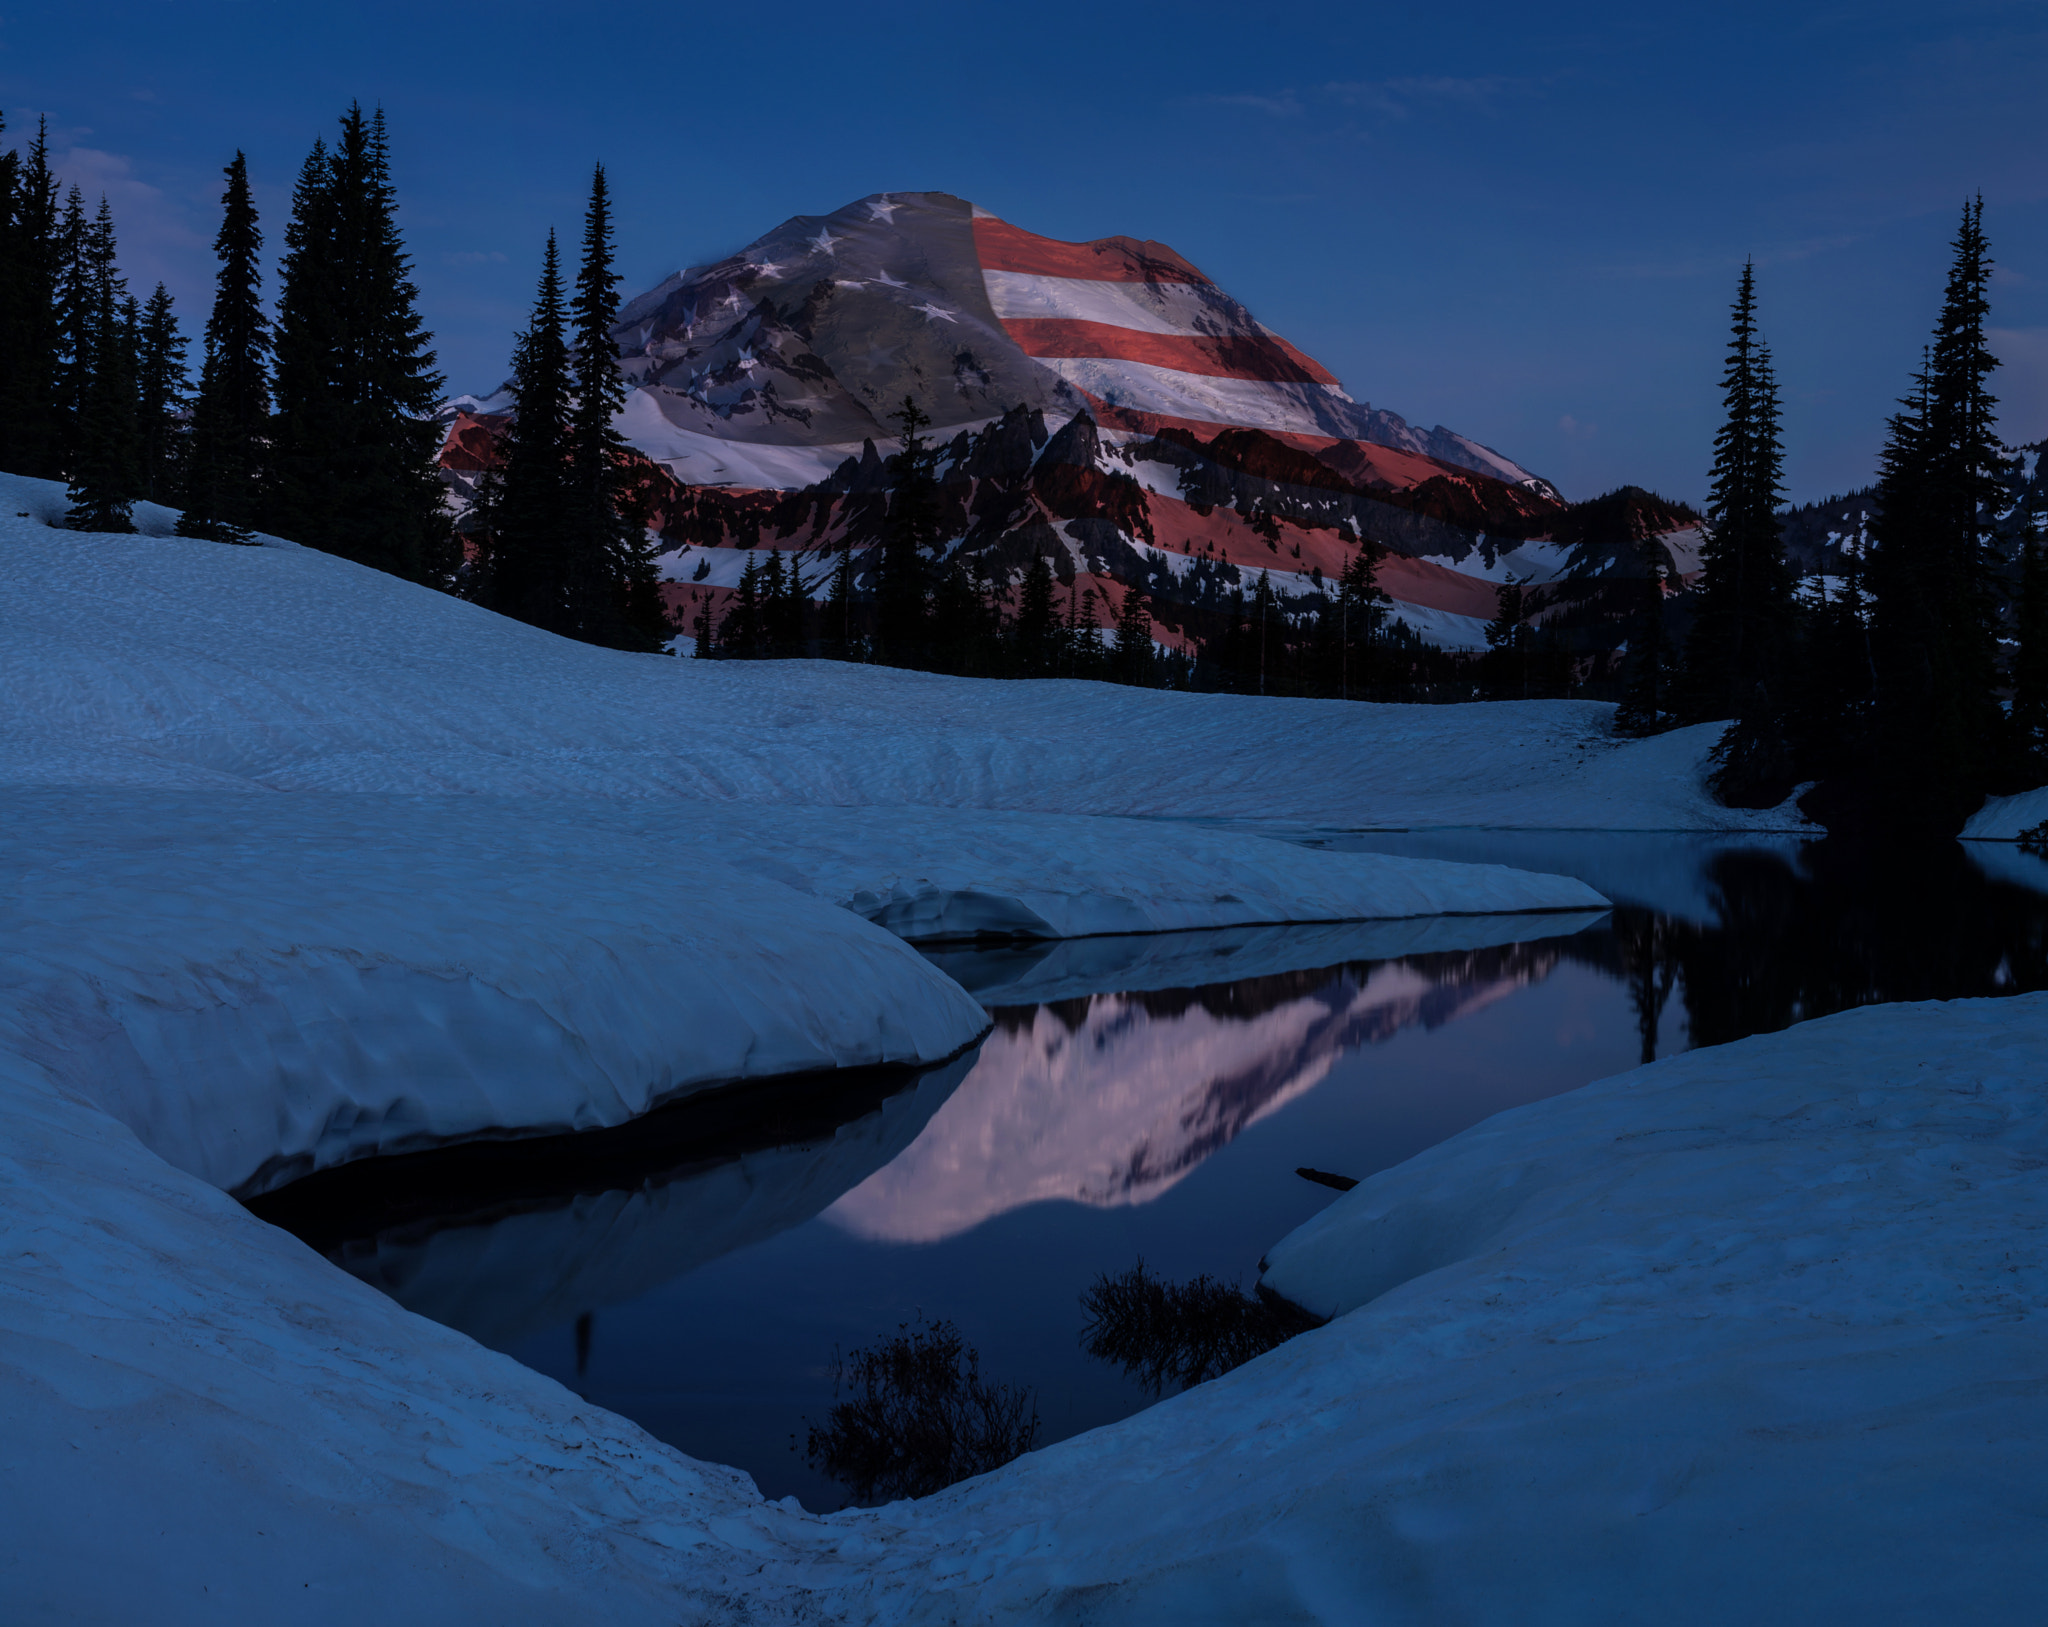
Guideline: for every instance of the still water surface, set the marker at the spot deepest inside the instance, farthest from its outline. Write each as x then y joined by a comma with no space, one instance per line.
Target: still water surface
1137,1098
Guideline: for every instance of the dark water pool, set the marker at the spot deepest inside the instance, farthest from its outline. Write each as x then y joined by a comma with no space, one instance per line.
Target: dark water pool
1137,1098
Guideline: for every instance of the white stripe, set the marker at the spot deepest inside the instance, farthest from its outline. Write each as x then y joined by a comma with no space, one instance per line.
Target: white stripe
1308,409
1146,307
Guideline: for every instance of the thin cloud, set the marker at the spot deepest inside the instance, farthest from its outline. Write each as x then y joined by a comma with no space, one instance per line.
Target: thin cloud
1717,265
1284,106
1402,98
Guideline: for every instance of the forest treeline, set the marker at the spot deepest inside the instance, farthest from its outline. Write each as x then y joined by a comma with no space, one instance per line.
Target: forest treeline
1914,684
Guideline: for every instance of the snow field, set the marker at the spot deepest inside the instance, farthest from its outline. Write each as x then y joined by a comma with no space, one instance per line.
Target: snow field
163,663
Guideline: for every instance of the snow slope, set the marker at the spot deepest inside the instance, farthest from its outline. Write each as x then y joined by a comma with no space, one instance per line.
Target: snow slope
2002,819
173,664
1755,1333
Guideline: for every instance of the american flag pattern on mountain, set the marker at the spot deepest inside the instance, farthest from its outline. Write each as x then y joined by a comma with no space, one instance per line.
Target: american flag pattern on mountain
767,368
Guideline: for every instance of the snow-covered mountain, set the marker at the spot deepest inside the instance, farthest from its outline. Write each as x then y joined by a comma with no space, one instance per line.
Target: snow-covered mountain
1103,403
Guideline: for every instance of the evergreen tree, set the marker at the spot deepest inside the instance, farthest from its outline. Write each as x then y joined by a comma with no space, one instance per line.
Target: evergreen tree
1939,726
231,417
740,633
105,472
910,536
613,583
1133,658
1362,607
839,634
30,340
162,383
77,315
775,606
1262,607
1035,637
524,569
1507,641
1647,686
354,444
1743,622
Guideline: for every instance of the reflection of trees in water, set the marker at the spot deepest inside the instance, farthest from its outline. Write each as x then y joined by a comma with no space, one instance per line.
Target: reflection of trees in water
917,1416
1183,1333
1842,928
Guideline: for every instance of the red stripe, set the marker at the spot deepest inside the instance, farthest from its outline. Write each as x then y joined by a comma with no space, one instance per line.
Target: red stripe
1003,247
1254,357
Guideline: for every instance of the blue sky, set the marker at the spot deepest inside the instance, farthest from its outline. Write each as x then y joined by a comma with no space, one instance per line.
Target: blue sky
1523,222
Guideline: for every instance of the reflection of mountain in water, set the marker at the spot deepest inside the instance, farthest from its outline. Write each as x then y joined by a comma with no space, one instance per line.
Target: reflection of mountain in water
1112,1098
535,1247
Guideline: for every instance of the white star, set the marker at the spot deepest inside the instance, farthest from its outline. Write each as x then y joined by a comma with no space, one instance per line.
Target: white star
732,300
769,268
824,240
888,281
883,210
841,282
933,310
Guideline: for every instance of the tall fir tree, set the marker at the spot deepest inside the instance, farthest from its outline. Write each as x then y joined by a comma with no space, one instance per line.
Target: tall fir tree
841,637
105,474
1132,658
1939,728
163,385
615,585
1035,635
910,537
1507,642
1362,606
1742,626
352,457
525,569
30,342
1647,701
231,415
77,317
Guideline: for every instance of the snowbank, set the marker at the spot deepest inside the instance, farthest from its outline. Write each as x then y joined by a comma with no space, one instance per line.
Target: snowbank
2001,819
1755,1332
258,986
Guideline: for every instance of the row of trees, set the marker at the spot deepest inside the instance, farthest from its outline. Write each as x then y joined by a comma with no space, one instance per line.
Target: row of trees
1889,690
558,539
92,381
317,427
898,600
316,422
